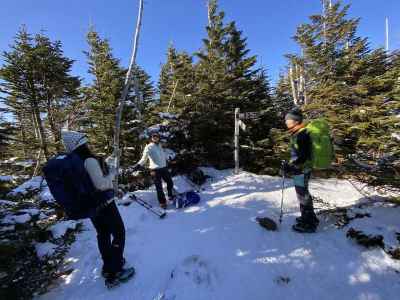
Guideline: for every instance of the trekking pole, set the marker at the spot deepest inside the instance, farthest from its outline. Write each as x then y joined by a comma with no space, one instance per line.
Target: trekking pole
283,188
148,206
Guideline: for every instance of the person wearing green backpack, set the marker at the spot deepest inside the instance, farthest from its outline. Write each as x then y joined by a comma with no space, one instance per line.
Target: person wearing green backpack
310,148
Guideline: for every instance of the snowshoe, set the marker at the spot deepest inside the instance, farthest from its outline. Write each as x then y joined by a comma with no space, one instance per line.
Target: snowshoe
107,274
304,227
301,220
267,223
120,277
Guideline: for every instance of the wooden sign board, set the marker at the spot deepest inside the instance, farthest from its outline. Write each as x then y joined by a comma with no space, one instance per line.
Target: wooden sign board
250,115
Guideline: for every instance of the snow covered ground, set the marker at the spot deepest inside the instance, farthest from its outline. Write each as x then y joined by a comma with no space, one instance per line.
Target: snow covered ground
215,250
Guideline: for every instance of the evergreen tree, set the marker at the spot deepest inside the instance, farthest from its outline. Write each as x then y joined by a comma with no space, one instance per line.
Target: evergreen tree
137,116
102,96
177,81
36,81
348,83
6,137
283,100
226,78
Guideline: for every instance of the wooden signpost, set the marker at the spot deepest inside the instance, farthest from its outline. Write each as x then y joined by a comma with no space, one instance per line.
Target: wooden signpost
239,124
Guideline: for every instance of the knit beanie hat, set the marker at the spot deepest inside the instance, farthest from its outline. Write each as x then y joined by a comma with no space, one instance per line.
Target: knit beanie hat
73,139
295,114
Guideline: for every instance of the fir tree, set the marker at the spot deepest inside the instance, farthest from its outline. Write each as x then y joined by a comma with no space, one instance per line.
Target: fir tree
177,81
226,78
103,94
36,79
348,83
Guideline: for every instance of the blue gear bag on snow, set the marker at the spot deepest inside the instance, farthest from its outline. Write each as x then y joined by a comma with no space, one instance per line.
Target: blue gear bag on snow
72,188
187,199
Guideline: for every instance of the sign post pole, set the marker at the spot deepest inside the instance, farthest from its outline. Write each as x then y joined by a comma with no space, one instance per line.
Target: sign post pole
237,110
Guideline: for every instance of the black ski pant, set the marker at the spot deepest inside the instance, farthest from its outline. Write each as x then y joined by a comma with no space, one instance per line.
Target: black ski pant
110,237
162,174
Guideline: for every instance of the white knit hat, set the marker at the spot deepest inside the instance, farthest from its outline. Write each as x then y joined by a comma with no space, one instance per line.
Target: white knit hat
73,139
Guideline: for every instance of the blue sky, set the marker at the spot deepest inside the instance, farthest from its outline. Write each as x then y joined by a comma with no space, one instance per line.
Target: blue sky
268,25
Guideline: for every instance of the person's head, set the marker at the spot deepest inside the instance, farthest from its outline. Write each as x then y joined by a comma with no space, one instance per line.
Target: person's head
293,118
73,140
155,137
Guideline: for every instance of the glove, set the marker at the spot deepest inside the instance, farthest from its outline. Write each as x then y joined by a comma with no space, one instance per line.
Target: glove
112,161
287,169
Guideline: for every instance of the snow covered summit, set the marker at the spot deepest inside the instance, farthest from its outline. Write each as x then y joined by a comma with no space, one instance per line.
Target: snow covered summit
216,250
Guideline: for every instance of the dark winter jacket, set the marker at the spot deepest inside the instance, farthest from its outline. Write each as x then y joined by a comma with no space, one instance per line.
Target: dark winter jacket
300,150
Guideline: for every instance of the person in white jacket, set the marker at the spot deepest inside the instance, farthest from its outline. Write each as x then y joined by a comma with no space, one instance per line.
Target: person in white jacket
157,158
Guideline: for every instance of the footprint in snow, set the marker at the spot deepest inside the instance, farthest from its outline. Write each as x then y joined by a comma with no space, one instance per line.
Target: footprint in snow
282,280
192,278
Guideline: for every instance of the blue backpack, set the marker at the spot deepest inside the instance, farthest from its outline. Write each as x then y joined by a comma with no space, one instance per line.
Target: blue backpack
186,199
72,188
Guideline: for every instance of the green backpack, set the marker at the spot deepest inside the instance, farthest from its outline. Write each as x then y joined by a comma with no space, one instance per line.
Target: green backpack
322,147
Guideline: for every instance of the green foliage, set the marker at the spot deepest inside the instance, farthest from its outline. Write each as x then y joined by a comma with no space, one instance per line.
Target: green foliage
205,94
37,84
102,96
353,86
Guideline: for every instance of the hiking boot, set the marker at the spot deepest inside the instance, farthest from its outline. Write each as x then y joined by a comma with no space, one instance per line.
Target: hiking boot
315,220
122,276
172,199
304,227
107,274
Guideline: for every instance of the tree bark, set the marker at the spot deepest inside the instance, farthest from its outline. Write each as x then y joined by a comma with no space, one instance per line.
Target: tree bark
53,126
293,86
42,135
125,92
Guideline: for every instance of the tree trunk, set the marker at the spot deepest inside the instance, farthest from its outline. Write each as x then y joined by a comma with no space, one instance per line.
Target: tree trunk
54,128
42,135
293,86
125,92
23,136
36,171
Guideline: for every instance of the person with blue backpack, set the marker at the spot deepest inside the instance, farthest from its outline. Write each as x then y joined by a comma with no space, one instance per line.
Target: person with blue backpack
300,167
84,189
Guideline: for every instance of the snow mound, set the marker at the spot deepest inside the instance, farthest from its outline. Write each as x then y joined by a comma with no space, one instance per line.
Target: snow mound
7,178
32,184
6,202
168,116
17,219
45,195
60,229
30,211
46,249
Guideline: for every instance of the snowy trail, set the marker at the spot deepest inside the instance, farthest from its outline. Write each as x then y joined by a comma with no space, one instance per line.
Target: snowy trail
216,251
